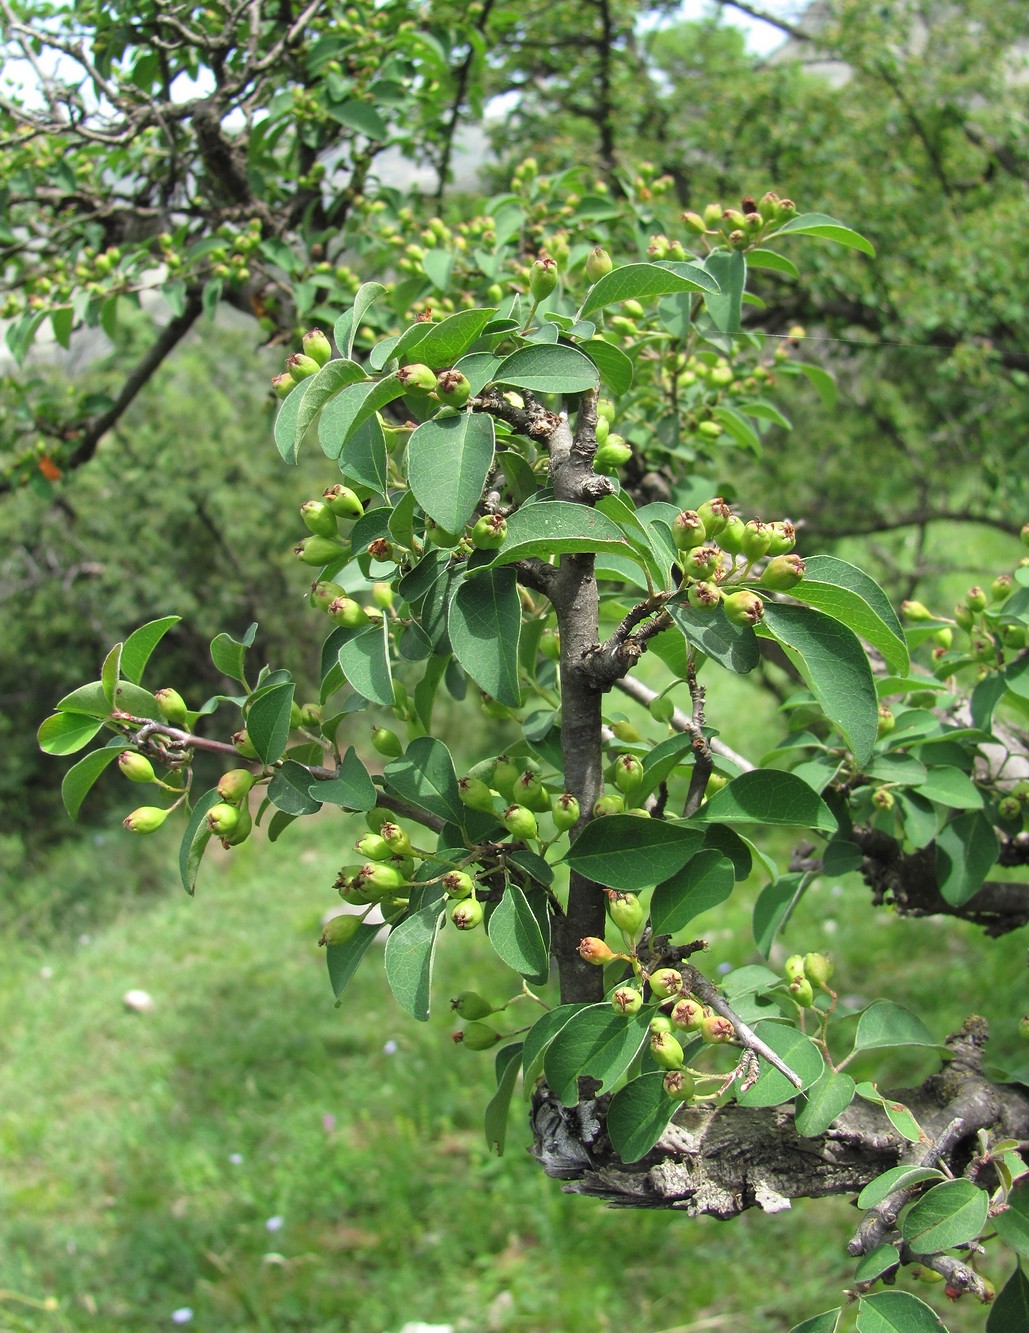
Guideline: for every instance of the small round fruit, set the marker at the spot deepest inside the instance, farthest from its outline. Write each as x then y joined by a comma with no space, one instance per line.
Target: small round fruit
171,706
467,914
138,768
626,1000
479,1037
595,951
520,822
459,884
625,910
666,983
340,929
665,1051
679,1085
146,819
470,1004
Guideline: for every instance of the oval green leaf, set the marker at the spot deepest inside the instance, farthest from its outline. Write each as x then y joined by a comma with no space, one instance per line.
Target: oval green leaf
638,1115
448,461
638,281
597,1043
483,624
410,951
628,853
549,368
949,1214
768,796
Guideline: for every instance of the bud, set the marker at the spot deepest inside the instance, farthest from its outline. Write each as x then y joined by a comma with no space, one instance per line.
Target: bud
453,388
542,278
316,346
714,514
234,785
687,1014
300,366
136,767
565,811
626,1000
520,822
343,502
598,264
782,573
679,1085
478,1037
340,929
467,914
171,706
470,1004
715,1029
625,910
490,532
702,597
595,951
628,773
316,550
818,968
222,819
147,819
743,607
666,983
319,518
665,1051
459,884
688,530
416,378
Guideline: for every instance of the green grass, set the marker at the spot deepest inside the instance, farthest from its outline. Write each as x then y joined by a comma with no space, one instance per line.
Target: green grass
144,1155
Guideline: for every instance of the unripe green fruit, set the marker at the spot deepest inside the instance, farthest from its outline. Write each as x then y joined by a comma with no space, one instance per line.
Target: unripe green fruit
387,743
382,596
625,731
687,1015
730,539
943,638
1024,534
1001,587
598,264
505,775
679,1085
403,865
595,951
490,532
417,378
757,538
1023,1027
886,721
744,607
625,910
147,819
666,983
542,278
882,799
324,593
963,616
316,550
283,384
714,514
612,804
311,715
711,430
530,792
916,611
628,773
171,706
520,822
702,562
344,611
396,838
784,537
665,1051
603,430
467,914
794,966
688,530
1013,636
235,785
340,929
440,536
550,645
453,388
383,876
222,819
136,767
296,715
715,1029
818,968
976,599
660,1023
478,1036
470,1004
782,573
373,847
300,366
802,992
458,884
606,409
316,346
343,502
319,518
703,597
661,708
244,745
475,794
611,455
1009,807
565,811
626,1000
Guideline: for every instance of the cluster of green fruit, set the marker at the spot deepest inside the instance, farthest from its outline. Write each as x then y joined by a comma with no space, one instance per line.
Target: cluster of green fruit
473,1008
717,549
516,796
744,226
806,972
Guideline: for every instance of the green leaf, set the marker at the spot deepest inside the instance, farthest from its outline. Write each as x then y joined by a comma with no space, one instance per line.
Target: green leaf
768,796
91,699
896,1312
516,937
739,428
798,1051
628,853
823,383
228,653
344,414
729,270
638,281
345,328
448,340
365,662
268,720
897,1178
135,700
615,366
1009,1313
425,775
352,787
110,672
949,1214
539,1037
285,429
638,1115
774,907
195,840
704,881
289,790
437,265
731,646
847,594
65,733
820,224
548,369
483,624
343,959
899,1115
509,1062
885,1024
556,527
827,1322
951,787
137,648
448,461
410,951
874,1264
768,259
80,778
359,116
596,1043
966,850
1013,1223
333,376
823,1102
364,457
835,669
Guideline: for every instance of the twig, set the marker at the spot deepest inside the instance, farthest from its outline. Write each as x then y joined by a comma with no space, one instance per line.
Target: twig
699,985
